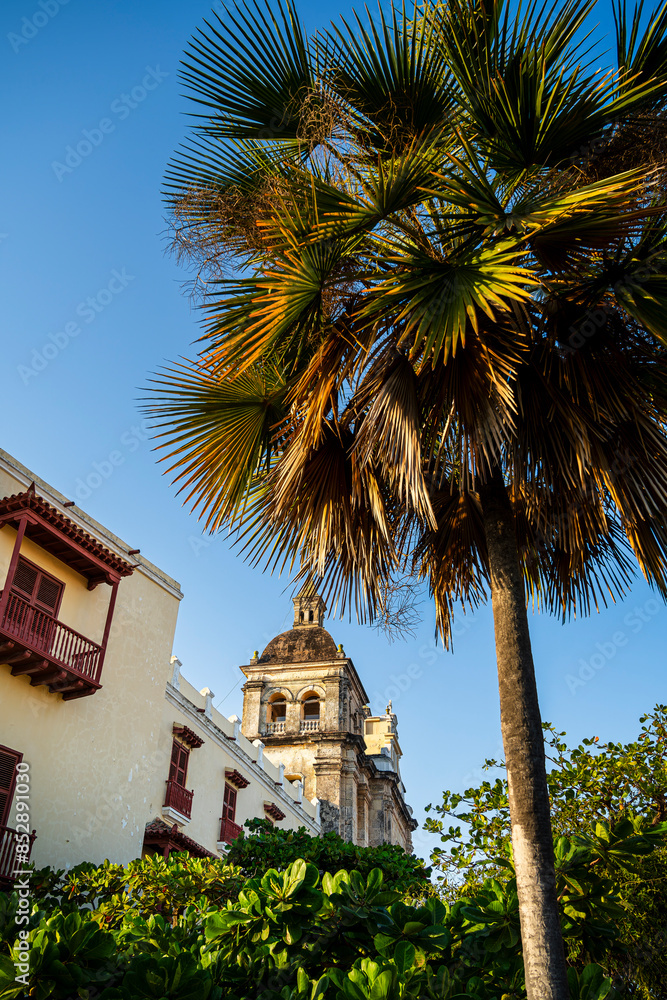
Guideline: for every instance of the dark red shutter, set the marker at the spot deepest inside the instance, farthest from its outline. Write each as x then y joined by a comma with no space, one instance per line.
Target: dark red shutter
8,761
178,769
42,590
229,803
48,594
25,579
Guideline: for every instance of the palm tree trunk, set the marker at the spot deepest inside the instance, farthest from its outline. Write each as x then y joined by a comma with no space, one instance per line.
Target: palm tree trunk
523,743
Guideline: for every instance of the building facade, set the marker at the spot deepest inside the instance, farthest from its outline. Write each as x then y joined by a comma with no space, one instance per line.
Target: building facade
123,756
304,699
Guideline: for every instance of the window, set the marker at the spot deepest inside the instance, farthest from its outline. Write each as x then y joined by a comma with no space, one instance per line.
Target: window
40,589
229,828
8,761
229,804
178,770
311,708
277,709
177,795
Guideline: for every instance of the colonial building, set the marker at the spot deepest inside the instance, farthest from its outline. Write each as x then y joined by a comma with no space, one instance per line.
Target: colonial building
118,754
303,697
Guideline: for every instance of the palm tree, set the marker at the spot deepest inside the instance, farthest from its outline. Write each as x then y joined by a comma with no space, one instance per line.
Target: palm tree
432,251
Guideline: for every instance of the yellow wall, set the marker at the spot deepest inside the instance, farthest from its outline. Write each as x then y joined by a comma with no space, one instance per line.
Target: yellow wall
82,609
98,765
92,760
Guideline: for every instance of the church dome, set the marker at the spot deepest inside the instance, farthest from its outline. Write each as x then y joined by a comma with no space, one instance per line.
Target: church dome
302,644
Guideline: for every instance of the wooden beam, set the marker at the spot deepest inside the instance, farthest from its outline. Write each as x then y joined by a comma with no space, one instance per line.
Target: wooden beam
19,657
48,677
67,686
30,668
107,627
89,689
14,561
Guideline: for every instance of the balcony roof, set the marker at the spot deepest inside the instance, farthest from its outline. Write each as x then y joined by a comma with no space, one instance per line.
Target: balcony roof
159,834
63,538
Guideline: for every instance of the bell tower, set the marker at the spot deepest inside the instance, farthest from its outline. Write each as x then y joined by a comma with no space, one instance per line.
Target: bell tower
305,701
309,607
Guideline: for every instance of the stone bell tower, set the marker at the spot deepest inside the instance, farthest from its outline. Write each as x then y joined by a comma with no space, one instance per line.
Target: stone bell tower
304,699
309,607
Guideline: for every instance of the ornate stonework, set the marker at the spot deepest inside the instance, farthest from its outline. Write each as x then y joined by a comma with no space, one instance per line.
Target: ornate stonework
304,699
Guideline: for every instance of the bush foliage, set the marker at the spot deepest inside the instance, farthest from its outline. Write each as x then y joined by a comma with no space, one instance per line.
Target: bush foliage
293,935
286,916
267,846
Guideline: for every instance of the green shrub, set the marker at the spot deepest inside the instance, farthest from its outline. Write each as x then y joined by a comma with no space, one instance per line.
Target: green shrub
292,934
267,846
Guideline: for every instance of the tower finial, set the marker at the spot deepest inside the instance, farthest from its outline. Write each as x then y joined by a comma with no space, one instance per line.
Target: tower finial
309,607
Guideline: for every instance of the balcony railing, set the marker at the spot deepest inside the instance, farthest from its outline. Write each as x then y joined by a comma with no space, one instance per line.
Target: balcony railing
273,728
35,643
309,725
179,798
9,842
229,830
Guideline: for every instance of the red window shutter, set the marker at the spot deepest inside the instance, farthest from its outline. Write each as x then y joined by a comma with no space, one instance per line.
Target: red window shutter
41,589
8,761
178,769
25,579
48,594
229,803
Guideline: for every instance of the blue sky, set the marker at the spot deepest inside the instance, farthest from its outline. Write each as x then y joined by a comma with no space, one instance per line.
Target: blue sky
90,305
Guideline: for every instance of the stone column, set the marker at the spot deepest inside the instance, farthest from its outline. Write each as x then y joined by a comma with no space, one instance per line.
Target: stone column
348,800
252,697
292,718
363,804
332,699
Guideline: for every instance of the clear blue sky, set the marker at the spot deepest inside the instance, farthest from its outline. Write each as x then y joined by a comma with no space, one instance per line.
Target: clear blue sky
83,271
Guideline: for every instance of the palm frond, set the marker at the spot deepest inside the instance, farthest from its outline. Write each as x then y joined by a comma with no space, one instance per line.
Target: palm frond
251,71
217,432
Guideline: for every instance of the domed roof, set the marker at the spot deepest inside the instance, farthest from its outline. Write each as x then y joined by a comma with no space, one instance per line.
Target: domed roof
302,644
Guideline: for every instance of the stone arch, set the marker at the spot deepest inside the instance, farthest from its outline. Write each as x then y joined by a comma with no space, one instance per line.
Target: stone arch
271,693
274,707
310,708
310,688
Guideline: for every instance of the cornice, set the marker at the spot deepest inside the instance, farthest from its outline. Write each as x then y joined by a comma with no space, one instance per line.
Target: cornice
232,748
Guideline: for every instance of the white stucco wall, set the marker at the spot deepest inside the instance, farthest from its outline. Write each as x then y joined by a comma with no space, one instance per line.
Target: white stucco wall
224,748
92,760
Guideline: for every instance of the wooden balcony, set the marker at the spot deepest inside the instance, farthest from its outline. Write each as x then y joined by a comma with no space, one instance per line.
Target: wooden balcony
8,855
178,798
229,830
47,650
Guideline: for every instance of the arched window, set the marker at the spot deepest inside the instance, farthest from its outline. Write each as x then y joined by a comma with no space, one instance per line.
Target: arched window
311,707
310,616
276,713
310,712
